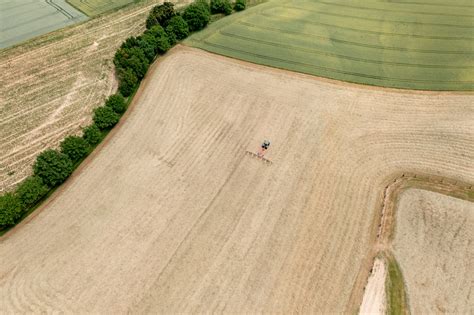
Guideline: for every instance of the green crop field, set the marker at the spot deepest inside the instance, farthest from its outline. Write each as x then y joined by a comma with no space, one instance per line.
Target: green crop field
96,7
21,20
413,44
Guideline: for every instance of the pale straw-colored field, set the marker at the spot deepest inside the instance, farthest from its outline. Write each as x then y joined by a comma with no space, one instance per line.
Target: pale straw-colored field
434,245
169,215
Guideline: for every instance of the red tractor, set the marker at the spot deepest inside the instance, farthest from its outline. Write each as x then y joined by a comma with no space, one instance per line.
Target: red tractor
261,152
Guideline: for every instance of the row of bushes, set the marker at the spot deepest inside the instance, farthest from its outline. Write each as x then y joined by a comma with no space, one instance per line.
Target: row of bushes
53,167
165,27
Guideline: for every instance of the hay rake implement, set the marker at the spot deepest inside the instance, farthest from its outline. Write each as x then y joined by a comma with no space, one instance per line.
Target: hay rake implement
259,157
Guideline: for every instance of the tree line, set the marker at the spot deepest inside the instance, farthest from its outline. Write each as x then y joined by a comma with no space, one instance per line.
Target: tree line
164,28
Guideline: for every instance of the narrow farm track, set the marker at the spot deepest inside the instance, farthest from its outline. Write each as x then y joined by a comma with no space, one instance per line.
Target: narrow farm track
170,215
50,85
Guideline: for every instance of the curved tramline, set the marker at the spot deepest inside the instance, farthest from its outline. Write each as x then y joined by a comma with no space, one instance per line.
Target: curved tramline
169,215
392,44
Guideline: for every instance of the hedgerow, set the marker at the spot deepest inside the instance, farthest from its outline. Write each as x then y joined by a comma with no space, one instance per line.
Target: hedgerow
53,167
197,15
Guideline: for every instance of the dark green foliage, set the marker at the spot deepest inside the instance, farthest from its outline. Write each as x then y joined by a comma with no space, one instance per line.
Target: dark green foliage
75,148
10,209
171,37
53,167
105,117
31,191
240,5
132,61
162,41
221,6
177,28
197,15
160,15
130,42
148,44
128,82
117,103
132,58
92,134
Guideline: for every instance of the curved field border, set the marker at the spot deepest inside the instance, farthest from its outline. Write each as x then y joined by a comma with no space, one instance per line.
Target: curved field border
408,51
385,223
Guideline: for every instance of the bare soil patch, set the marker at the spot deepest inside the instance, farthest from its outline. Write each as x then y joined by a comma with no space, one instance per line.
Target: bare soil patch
433,245
374,301
172,216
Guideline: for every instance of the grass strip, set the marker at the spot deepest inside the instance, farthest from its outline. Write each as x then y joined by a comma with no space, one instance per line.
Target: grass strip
395,288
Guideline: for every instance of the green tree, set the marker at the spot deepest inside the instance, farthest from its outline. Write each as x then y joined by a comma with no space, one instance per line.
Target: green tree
177,28
197,15
162,40
105,117
130,42
160,15
92,134
53,167
31,190
240,5
75,148
10,209
148,44
221,6
171,37
128,82
117,103
131,58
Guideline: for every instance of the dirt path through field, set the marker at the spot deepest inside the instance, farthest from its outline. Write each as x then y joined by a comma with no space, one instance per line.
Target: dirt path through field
172,216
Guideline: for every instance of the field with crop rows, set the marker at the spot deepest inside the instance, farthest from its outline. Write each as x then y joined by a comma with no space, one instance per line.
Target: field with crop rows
95,7
21,20
404,44
169,215
50,85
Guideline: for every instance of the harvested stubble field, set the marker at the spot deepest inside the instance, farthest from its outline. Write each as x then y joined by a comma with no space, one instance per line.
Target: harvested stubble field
170,215
433,244
96,7
50,85
24,19
423,45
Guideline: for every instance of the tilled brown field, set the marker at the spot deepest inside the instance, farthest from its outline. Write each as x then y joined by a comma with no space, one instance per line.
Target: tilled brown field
49,86
433,244
171,216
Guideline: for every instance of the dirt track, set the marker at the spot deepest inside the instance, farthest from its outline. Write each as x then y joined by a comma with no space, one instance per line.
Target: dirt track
172,216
